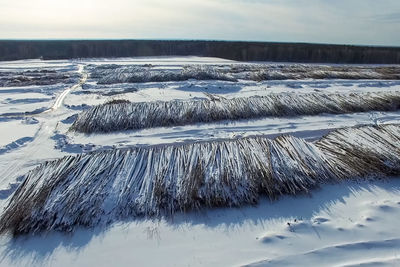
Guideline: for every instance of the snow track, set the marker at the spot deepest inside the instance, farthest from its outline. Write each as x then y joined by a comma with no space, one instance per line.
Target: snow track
350,254
60,99
34,146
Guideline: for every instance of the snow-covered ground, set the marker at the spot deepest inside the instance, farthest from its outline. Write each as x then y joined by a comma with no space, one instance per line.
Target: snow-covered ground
339,225
345,224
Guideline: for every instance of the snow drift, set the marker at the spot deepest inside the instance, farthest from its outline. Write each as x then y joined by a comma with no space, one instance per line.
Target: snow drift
111,74
105,186
124,116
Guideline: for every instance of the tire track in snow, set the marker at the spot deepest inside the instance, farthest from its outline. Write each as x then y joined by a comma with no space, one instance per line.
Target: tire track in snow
346,254
60,99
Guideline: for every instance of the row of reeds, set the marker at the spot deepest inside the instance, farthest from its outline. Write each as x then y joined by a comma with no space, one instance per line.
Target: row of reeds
141,74
127,116
37,77
106,186
110,74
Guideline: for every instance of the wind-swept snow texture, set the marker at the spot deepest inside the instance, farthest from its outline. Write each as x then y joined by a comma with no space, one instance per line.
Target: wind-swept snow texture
106,186
111,117
110,74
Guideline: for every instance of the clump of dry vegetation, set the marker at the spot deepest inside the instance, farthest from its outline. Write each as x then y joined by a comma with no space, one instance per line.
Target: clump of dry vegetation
125,115
37,77
117,101
110,74
106,186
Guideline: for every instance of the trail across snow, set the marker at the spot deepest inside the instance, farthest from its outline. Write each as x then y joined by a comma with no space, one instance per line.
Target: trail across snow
60,99
38,145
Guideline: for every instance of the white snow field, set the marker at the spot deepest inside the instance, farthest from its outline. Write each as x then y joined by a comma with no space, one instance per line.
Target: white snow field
348,223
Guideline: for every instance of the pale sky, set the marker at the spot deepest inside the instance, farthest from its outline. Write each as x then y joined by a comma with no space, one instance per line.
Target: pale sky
368,22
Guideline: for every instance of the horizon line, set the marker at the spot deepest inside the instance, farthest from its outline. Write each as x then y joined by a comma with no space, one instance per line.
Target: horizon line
195,40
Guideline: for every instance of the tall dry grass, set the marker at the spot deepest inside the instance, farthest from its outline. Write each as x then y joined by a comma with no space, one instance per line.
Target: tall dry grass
106,186
111,74
111,117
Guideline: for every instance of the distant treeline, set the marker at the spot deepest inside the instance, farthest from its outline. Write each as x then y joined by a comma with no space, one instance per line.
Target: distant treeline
241,51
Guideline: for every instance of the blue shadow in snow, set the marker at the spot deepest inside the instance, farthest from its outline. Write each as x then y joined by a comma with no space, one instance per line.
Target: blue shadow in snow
39,249
213,87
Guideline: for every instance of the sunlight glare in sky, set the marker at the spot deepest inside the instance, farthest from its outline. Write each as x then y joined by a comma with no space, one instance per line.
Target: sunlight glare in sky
323,21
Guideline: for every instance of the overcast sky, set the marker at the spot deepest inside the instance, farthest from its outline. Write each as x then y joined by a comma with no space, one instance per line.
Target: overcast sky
373,22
